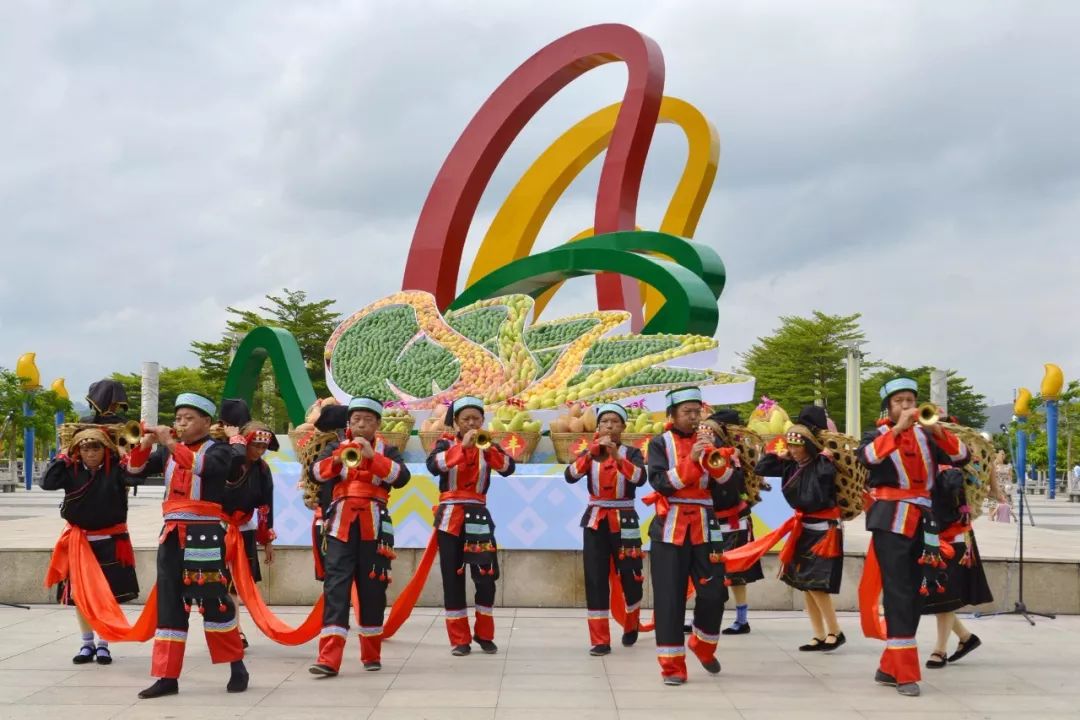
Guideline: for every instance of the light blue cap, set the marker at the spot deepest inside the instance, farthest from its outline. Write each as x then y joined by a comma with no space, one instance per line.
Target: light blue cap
682,395
897,385
193,400
467,401
366,403
611,408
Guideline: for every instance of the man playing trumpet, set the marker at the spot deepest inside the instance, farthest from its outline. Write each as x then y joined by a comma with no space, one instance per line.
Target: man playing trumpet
191,548
903,454
360,534
464,529
611,533
686,539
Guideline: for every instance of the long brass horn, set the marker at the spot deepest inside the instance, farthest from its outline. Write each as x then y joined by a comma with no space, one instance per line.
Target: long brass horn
351,457
483,439
130,433
928,414
715,459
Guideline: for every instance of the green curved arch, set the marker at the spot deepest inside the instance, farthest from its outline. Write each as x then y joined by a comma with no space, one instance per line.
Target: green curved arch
290,371
699,259
689,306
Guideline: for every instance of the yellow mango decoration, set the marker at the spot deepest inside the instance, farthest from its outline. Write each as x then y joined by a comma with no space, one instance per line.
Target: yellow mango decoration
27,371
1052,381
1020,407
58,388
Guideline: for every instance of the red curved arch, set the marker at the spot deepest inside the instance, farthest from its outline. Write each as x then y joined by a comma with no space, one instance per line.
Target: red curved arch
451,203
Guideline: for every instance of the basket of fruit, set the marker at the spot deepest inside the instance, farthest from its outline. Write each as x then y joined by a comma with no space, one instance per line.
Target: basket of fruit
570,429
433,428
515,431
641,425
396,424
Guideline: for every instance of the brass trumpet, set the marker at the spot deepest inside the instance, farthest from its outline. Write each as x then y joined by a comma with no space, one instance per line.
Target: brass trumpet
712,458
715,459
928,414
130,433
483,439
351,457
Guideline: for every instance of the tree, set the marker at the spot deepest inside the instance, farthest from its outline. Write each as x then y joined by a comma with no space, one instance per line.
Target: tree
171,382
805,360
311,323
968,406
45,404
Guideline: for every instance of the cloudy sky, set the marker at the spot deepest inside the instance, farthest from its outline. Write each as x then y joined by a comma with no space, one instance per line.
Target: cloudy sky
915,162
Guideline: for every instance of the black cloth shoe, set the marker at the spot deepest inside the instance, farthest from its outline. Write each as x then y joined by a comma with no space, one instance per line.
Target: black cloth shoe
322,670
629,638
936,660
883,678
598,650
965,647
86,655
830,646
238,681
712,667
814,646
674,680
461,650
487,646
736,629
909,689
161,688
373,666
102,655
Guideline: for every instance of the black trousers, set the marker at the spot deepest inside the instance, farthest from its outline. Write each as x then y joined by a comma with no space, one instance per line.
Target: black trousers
451,557
170,585
347,563
601,547
671,567
901,577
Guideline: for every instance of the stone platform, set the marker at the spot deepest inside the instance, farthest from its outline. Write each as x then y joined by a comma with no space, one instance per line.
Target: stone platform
542,670
30,524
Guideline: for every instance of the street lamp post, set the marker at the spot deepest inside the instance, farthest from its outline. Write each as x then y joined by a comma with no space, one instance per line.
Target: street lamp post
27,370
853,401
58,388
1053,379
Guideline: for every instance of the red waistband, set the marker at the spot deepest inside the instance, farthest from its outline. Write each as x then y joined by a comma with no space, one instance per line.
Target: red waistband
897,494
462,495
117,529
196,507
732,515
361,489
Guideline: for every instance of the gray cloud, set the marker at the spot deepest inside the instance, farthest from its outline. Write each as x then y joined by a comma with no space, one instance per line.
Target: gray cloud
912,161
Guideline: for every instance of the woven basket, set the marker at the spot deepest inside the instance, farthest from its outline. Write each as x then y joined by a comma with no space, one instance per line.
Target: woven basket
397,439
563,443
532,439
428,438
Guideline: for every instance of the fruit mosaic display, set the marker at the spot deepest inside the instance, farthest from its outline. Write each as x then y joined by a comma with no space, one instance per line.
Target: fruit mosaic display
402,348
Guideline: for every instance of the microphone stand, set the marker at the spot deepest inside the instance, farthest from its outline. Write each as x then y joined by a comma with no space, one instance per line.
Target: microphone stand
1020,608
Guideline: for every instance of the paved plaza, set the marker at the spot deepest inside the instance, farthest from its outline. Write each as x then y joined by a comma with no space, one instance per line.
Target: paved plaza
542,670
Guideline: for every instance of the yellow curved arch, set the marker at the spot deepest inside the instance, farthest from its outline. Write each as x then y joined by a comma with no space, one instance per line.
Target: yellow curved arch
517,224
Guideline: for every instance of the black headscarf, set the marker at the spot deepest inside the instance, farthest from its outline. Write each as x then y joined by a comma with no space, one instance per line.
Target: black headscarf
814,418
234,412
105,397
332,418
727,416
